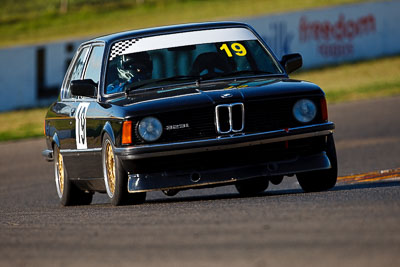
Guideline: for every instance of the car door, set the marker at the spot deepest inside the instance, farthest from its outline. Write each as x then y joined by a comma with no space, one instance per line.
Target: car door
85,161
93,116
63,111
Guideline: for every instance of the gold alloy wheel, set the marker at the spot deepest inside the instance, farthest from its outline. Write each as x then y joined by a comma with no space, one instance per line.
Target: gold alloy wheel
60,167
110,168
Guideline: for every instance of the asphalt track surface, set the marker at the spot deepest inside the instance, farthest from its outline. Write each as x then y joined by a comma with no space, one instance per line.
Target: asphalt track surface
355,224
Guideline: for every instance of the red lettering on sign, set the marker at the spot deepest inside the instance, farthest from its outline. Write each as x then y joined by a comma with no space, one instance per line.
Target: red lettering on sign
341,30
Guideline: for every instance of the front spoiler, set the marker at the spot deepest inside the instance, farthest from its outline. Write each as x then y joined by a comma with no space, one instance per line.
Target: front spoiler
181,180
224,142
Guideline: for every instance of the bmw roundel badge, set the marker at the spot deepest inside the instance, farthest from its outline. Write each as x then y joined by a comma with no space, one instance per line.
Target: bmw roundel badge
228,95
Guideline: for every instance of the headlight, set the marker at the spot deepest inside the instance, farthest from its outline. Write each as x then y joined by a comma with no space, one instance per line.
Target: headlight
304,110
150,129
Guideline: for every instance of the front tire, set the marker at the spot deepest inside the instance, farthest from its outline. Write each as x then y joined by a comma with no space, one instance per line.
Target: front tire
323,180
68,193
116,178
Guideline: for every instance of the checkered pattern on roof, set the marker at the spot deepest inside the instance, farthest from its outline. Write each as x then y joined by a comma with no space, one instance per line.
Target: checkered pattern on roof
119,48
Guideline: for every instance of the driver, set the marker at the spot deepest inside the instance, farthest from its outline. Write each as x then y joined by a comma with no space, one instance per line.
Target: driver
131,68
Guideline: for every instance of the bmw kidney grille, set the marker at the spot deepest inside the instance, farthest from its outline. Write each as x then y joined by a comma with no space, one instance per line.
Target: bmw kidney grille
229,118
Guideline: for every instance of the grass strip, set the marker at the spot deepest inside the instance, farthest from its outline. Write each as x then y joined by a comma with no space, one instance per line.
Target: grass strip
355,81
22,124
375,90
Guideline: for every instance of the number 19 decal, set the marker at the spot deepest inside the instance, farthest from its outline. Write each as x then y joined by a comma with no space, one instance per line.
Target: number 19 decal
80,126
236,47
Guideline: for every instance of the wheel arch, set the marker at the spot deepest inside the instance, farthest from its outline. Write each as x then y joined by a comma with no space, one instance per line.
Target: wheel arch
109,130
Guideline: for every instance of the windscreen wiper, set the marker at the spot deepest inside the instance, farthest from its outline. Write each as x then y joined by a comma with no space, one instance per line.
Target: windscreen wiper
137,85
240,72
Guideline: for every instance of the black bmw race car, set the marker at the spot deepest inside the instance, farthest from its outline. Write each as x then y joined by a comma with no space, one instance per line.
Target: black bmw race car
184,107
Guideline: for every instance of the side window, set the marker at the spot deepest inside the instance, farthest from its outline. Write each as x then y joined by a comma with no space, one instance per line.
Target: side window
94,65
76,71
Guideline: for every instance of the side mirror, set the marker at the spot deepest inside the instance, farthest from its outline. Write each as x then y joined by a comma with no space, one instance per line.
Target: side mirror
86,88
292,62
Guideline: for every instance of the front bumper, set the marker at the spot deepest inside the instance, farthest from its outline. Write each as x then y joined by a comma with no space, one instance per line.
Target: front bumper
225,160
48,154
222,143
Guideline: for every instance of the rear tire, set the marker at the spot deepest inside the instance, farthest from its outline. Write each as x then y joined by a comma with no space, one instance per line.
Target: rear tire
252,186
68,193
116,178
316,181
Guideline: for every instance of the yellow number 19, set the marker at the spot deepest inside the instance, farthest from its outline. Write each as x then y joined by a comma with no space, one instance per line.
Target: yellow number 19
238,48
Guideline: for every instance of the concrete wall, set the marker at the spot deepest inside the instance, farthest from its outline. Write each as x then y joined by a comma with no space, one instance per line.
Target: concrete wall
31,75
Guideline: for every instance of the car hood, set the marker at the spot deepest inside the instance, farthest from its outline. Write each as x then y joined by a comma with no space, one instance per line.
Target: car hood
213,93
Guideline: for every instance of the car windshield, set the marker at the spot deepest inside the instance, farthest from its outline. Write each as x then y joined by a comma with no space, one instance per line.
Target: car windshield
200,55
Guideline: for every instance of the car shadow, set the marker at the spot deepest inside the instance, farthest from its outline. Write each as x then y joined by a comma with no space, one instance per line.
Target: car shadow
272,193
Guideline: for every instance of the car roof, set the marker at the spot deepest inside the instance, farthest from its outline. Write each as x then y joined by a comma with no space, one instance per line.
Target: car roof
111,38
